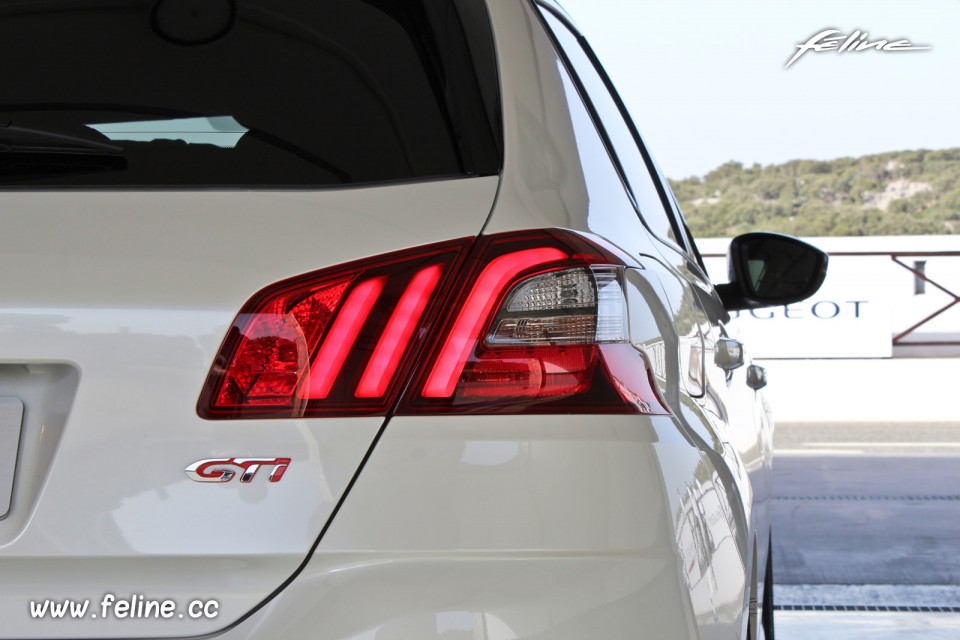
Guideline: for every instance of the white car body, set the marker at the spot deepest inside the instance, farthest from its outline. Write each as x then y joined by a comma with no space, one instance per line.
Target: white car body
113,306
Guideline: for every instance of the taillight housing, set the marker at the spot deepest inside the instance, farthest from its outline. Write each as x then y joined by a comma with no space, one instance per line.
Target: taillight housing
529,322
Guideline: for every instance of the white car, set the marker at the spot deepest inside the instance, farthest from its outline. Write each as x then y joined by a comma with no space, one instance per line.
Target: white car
362,320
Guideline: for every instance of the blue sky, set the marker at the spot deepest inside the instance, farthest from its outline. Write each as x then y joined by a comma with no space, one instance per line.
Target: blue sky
706,83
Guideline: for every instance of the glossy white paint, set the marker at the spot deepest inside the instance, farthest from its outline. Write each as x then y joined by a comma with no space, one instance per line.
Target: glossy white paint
107,335
487,527
551,526
521,527
557,173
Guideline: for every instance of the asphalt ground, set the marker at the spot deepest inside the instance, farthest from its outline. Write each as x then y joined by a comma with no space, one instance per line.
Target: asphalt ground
866,521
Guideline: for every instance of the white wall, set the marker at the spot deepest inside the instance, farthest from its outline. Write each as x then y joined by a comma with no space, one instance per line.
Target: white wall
889,390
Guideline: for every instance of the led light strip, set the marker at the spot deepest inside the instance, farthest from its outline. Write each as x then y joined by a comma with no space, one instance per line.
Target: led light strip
466,331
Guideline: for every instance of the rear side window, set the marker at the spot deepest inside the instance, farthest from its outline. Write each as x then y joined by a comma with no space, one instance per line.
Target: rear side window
245,93
615,124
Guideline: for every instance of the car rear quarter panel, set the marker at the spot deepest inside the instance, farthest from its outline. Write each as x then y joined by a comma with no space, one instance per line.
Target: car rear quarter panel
521,527
558,173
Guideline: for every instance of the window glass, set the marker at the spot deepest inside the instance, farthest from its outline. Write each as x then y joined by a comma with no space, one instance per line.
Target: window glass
619,133
298,93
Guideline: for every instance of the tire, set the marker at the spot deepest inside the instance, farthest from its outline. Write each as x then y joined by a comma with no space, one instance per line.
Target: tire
766,613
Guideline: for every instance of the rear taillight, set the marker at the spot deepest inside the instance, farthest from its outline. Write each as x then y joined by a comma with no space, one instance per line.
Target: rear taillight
532,322
335,342
539,327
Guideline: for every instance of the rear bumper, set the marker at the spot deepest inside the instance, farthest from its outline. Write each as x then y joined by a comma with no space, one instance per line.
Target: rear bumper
484,596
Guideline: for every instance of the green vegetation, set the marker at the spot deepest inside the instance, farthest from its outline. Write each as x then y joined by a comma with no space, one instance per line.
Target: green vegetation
902,193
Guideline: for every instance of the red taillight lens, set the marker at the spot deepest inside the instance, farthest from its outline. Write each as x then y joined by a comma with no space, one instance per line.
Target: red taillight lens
487,290
538,327
273,346
335,342
396,336
531,322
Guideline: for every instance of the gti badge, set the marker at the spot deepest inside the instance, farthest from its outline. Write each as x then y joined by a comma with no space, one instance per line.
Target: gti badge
224,469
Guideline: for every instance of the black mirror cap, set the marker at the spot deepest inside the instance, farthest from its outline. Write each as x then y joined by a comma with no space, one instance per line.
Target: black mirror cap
771,269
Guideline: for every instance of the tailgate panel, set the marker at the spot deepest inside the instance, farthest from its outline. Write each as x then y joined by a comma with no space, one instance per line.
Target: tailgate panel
107,333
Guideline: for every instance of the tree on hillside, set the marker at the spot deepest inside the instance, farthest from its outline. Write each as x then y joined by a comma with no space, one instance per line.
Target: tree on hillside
902,193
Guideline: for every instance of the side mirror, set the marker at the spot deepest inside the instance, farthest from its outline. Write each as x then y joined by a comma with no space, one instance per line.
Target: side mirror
769,269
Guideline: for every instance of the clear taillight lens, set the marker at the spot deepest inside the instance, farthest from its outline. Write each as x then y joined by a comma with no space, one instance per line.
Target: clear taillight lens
569,306
532,322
